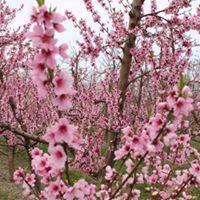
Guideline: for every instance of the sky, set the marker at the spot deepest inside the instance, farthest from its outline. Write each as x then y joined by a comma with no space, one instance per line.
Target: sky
78,8
75,5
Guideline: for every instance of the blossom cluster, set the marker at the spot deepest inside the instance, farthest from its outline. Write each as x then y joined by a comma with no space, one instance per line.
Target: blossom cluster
44,65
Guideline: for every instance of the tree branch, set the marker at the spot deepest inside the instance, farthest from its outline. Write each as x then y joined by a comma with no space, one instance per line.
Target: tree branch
6,126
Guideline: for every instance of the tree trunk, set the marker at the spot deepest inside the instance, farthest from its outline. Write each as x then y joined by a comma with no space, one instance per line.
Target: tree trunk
134,18
11,167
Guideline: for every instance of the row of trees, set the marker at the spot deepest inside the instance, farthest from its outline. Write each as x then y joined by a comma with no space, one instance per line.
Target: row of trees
121,111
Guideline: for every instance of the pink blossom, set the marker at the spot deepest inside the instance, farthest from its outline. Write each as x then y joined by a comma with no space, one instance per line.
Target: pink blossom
26,190
57,17
35,152
170,139
69,193
110,173
62,50
163,105
50,135
63,83
40,82
138,144
58,27
120,153
184,139
49,17
129,165
136,194
63,102
154,125
30,179
82,190
122,197
58,157
129,181
163,195
42,39
38,67
171,99
187,197
54,187
48,57
186,91
77,140
156,122
153,179
34,15
195,170
64,131
183,106
39,163
18,175
127,131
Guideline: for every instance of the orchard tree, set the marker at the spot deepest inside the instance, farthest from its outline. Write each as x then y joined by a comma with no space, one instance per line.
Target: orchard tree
14,54
22,114
126,122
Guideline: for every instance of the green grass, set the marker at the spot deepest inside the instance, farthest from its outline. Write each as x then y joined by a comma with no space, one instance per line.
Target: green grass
4,195
2,140
144,193
196,145
195,192
43,147
75,175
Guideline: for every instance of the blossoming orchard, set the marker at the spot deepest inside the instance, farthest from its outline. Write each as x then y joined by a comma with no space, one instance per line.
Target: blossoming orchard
113,116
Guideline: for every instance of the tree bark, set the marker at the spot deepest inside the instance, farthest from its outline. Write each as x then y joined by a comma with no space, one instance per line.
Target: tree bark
134,18
11,167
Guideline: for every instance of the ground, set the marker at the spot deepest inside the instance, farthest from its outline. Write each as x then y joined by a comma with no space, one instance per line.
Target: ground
8,190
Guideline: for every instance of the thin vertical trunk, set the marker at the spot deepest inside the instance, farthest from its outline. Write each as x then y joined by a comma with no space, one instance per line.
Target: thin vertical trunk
11,167
134,17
